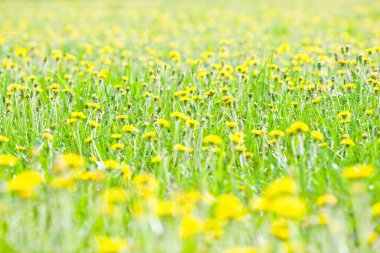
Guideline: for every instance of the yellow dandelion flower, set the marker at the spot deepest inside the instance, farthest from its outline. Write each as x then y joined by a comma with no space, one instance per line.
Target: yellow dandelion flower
108,244
149,135
25,183
327,199
231,124
94,124
162,122
213,139
347,142
156,159
111,164
317,135
276,133
298,127
4,138
358,171
128,128
280,229
8,160
117,146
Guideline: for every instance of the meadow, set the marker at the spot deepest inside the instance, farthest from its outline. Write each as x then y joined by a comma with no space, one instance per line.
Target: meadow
190,126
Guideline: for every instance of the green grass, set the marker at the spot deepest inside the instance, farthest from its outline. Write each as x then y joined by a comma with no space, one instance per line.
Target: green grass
122,56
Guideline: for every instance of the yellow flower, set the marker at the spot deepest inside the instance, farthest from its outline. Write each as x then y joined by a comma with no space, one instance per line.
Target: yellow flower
344,114
190,226
280,229
71,121
276,133
376,209
116,136
183,148
117,146
25,183
288,207
326,199
229,207
128,128
231,124
115,195
108,244
347,142
257,132
213,139
111,164
317,135
120,117
298,127
78,115
68,161
240,148
62,182
47,135
260,204
156,159
88,139
237,138
285,185
245,249
4,138
192,123
149,135
146,185
94,124
178,115
358,171
127,172
8,160
20,148
163,122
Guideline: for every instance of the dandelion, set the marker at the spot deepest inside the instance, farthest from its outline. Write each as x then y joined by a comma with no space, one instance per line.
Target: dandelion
190,226
244,249
78,115
3,139
376,209
183,148
111,164
117,146
146,185
317,135
162,122
237,138
327,199
280,229
128,128
25,183
108,244
149,135
276,133
156,159
257,132
231,124
213,139
347,142
289,207
229,207
358,171
68,161
94,124
8,160
297,127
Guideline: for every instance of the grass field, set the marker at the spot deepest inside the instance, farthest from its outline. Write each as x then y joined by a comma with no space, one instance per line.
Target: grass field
190,126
